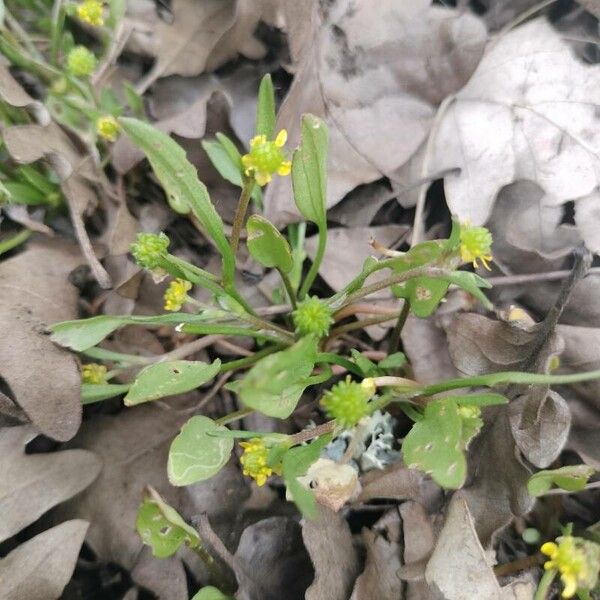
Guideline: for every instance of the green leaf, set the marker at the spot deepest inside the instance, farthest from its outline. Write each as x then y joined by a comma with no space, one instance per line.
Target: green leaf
170,378
367,367
309,170
162,528
573,479
23,193
135,101
96,392
267,245
195,455
184,190
275,383
397,360
480,399
210,593
82,334
471,282
296,463
265,109
434,444
424,294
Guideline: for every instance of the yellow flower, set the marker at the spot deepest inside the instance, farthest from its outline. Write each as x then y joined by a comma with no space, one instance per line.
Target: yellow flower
475,244
107,127
254,460
266,157
176,294
91,12
577,561
93,373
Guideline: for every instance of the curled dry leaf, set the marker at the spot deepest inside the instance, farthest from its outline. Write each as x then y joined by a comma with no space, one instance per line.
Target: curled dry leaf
31,484
44,379
13,94
396,482
376,72
40,568
329,543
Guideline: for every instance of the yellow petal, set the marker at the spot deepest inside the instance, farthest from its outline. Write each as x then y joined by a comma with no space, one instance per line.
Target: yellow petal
570,583
281,138
257,140
247,160
284,168
549,548
262,178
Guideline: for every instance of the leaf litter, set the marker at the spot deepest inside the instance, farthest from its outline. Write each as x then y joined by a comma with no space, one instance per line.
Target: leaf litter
499,105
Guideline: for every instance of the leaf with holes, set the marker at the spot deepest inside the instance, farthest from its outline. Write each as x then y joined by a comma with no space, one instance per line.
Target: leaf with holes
267,245
170,378
184,190
197,453
309,170
162,528
275,383
573,479
434,444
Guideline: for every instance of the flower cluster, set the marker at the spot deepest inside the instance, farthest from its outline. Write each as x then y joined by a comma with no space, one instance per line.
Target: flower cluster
312,316
266,158
91,12
577,561
107,128
475,244
348,401
254,460
176,294
93,373
81,62
149,249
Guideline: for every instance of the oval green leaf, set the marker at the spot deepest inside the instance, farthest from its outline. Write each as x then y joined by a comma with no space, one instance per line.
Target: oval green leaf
267,245
572,479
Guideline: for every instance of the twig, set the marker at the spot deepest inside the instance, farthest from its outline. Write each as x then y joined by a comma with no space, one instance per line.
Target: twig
518,565
535,277
308,434
363,308
240,214
394,341
187,349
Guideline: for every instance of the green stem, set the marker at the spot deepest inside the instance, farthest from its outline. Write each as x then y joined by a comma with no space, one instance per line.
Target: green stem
247,361
316,265
234,416
285,335
506,377
232,330
334,359
14,241
544,585
288,288
394,341
119,357
240,214
58,21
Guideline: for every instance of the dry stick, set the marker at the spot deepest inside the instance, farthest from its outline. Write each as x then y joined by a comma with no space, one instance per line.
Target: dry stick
362,324
234,348
363,308
308,434
240,214
535,277
190,348
394,341
518,565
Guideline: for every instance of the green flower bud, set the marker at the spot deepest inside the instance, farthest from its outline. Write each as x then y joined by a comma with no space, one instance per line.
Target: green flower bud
93,373
475,244
347,402
81,62
312,316
107,127
149,249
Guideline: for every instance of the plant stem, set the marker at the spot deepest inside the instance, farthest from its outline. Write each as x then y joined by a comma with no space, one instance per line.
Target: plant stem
316,265
336,359
58,20
394,341
286,336
212,566
288,288
309,434
234,416
361,324
14,241
544,585
240,214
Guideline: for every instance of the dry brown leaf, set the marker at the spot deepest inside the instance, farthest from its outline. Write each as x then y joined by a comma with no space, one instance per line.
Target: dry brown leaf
376,72
13,94
32,484
396,482
383,544
45,379
40,568
329,543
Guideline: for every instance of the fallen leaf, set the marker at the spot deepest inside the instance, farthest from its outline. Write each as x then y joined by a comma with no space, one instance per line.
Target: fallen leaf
329,543
33,483
396,482
13,93
40,568
43,378
376,72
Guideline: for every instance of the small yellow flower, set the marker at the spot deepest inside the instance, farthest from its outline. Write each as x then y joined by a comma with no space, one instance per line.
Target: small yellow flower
266,158
93,373
107,127
475,244
91,12
254,460
577,561
176,294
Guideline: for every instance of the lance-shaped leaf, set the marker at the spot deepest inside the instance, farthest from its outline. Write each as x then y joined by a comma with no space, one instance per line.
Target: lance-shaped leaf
267,245
572,478
265,108
197,453
178,176
162,528
96,392
275,383
170,378
309,170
